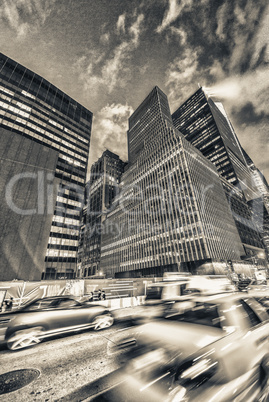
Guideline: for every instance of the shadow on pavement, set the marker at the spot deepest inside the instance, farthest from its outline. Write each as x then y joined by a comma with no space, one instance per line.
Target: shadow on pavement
91,389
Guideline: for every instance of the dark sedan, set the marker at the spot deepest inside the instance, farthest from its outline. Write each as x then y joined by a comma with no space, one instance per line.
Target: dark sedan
49,316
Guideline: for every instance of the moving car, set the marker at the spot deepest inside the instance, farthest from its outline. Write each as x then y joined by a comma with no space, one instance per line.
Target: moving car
178,293
218,350
259,277
49,316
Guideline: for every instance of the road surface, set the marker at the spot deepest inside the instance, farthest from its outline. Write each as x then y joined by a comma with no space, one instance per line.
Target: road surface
67,364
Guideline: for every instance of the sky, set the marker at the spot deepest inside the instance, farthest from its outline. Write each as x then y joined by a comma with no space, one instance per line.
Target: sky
109,54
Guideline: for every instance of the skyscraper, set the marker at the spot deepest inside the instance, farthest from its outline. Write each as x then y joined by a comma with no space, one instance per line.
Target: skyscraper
101,190
205,124
171,212
35,113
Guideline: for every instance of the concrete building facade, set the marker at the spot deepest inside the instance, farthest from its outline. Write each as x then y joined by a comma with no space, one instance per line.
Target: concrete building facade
26,210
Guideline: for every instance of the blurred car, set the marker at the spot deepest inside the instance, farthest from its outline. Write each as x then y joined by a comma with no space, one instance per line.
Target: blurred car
157,296
177,294
49,316
218,350
259,277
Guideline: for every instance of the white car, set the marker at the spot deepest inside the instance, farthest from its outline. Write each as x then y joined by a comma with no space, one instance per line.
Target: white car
216,351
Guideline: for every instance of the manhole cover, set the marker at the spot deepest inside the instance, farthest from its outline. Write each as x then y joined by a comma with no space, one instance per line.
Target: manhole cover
17,379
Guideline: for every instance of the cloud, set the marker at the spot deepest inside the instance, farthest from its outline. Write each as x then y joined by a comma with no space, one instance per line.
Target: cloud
121,24
109,131
181,76
235,33
104,38
261,48
231,54
180,33
247,115
239,90
108,68
175,8
229,88
239,27
24,16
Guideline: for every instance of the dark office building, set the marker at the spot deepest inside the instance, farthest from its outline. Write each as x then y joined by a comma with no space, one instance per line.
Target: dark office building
100,192
35,112
204,124
171,213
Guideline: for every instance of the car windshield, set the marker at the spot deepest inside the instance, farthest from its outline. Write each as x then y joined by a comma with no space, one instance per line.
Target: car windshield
203,314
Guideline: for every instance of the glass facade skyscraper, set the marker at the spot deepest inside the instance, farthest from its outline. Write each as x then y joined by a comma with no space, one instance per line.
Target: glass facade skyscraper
171,212
35,109
101,190
205,124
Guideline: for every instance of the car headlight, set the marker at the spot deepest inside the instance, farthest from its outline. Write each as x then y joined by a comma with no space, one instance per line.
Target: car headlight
178,395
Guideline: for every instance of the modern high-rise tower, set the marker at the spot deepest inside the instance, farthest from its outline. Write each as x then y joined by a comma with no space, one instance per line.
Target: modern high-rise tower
205,124
45,139
171,212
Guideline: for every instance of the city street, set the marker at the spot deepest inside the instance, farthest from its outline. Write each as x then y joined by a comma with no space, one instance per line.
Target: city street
66,364
134,201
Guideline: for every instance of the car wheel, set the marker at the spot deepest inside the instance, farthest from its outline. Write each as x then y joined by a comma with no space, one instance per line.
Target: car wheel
102,322
24,338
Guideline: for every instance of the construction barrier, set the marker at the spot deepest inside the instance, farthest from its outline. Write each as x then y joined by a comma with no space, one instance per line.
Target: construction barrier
117,290
115,304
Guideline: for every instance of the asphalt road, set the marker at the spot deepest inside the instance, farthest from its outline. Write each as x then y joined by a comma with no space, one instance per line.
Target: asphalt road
69,366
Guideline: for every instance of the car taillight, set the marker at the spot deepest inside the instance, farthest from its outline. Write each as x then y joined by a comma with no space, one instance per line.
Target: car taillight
195,372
